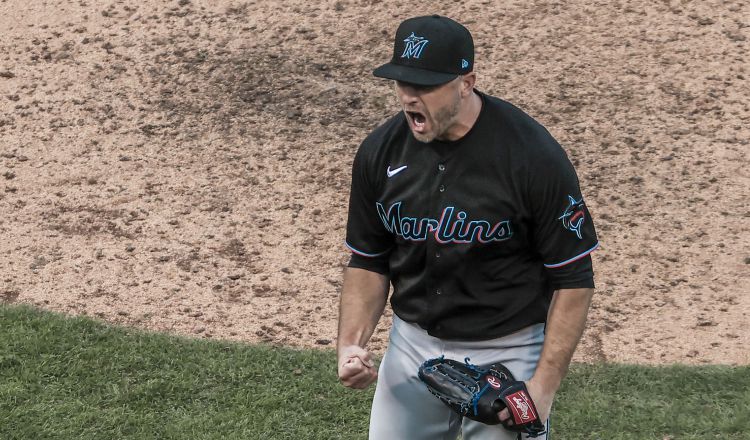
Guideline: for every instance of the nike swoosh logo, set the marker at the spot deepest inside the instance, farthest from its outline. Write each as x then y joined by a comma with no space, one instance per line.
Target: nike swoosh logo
392,173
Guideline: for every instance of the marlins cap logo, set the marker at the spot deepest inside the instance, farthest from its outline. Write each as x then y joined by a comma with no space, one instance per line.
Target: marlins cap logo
574,215
414,46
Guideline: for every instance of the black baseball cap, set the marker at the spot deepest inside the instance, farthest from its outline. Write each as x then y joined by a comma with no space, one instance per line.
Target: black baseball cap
429,51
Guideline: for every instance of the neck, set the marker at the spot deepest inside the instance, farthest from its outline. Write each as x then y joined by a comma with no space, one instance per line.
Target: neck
465,119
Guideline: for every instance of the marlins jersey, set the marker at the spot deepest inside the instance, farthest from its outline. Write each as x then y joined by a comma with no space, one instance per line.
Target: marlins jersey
475,234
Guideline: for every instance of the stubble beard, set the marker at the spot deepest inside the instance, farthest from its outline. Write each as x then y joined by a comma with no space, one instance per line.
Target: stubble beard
442,121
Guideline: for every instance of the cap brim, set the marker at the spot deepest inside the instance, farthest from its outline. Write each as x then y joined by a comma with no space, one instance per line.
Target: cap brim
413,75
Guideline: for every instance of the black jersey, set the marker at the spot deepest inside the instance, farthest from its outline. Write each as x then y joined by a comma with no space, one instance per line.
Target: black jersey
475,234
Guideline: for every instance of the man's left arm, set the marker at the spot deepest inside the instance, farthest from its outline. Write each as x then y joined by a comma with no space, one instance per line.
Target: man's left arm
565,323
564,237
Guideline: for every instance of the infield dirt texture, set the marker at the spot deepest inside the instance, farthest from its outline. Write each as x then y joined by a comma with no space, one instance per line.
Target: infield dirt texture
184,166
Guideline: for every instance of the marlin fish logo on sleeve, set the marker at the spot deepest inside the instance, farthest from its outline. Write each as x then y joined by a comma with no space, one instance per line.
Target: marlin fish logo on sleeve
574,215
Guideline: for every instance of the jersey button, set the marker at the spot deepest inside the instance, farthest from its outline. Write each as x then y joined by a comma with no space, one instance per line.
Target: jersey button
437,254
438,291
441,167
441,188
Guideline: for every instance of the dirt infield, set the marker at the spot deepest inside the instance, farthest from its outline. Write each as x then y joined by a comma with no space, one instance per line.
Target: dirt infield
184,166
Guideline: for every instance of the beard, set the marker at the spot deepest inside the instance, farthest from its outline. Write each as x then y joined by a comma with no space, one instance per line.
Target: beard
442,121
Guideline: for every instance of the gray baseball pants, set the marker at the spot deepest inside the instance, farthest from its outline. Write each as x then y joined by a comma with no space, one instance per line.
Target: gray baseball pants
403,409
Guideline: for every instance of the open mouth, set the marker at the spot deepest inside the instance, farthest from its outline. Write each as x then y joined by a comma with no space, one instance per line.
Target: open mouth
417,119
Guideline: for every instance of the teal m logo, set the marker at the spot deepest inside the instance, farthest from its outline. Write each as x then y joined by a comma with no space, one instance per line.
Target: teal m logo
414,46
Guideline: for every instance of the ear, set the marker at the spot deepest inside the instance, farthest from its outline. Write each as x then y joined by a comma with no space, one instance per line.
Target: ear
467,84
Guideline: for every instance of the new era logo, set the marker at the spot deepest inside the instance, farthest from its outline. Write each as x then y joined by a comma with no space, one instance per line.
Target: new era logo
464,64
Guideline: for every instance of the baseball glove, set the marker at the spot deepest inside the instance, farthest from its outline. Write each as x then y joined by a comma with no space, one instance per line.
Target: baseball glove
480,394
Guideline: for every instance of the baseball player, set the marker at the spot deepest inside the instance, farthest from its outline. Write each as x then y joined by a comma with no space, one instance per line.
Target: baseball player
472,211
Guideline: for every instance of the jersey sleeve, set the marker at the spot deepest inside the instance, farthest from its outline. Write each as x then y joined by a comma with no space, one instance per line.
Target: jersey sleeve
366,236
563,231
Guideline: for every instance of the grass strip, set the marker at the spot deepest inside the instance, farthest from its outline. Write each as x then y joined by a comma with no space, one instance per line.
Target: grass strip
75,378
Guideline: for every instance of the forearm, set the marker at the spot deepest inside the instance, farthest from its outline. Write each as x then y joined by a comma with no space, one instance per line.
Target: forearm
565,324
363,299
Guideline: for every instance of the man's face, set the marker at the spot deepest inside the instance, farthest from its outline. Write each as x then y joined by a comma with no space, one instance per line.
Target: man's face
430,111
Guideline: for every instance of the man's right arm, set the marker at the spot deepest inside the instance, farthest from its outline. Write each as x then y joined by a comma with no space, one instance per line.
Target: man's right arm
363,299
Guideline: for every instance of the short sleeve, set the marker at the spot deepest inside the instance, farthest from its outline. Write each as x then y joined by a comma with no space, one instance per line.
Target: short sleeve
563,230
366,235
